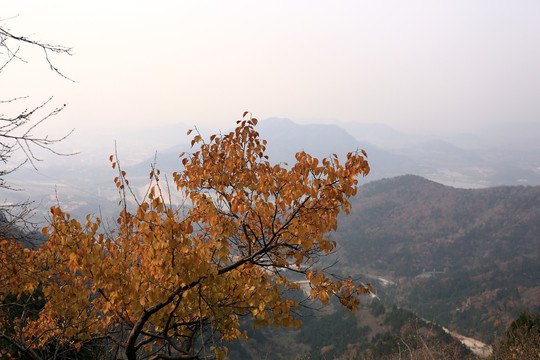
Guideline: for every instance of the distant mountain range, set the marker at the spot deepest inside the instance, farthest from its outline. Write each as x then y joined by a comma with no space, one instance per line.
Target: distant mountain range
86,183
392,153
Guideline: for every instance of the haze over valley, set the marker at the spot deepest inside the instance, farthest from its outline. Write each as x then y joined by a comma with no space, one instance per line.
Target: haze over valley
84,181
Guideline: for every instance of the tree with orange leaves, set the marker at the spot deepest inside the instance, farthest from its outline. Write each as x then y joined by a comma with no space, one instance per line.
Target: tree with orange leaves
167,280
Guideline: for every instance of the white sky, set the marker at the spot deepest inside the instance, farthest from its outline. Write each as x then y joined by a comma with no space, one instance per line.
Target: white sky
423,66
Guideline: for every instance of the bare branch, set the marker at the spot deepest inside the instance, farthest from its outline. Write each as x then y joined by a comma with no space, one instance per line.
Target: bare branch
6,37
18,132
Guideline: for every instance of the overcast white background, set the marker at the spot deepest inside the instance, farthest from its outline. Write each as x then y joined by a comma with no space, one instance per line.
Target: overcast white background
419,66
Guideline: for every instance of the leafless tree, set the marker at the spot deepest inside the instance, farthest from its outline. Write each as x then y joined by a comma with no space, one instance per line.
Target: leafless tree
20,143
19,137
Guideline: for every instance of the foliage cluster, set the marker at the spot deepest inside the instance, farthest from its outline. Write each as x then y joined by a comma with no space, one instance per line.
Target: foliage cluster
173,282
521,340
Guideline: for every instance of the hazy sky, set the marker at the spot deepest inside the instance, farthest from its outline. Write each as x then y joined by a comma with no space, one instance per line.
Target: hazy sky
416,65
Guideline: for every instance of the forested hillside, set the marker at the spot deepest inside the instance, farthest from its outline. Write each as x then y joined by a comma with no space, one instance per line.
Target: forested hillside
374,332
468,259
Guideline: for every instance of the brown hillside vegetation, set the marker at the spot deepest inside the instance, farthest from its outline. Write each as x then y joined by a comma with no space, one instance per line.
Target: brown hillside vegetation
466,258
409,215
